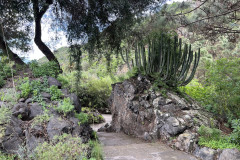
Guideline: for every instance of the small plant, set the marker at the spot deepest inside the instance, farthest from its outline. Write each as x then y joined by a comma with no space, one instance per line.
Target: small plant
55,93
82,117
62,148
5,115
65,106
41,119
6,157
25,88
96,150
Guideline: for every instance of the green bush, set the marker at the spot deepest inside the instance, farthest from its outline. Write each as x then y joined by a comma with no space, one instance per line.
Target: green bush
96,152
47,69
63,147
82,117
55,93
95,92
224,76
65,106
5,116
6,157
203,94
2,81
25,88
213,138
235,135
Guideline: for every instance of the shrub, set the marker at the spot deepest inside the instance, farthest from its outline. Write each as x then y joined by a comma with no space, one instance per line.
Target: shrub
82,117
25,88
5,115
203,94
96,150
9,95
224,76
47,69
212,138
235,135
55,93
65,106
6,157
95,92
62,148
2,81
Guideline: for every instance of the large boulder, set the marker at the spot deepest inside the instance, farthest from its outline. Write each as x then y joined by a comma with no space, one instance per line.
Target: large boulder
228,154
53,81
57,126
138,110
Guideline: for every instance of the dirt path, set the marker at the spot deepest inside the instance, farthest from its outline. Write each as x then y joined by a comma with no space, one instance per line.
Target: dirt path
118,146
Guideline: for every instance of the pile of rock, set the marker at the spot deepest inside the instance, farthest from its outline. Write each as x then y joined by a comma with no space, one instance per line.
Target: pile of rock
21,133
139,111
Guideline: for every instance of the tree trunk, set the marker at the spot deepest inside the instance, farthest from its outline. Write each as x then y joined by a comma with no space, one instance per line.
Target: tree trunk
9,53
38,30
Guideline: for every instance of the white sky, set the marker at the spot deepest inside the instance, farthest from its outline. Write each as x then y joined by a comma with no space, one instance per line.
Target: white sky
47,38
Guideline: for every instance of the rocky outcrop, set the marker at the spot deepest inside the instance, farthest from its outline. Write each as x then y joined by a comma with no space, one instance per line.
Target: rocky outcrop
139,111
25,131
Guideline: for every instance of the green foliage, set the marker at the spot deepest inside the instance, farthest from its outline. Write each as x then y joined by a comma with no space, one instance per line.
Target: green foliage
224,76
25,87
5,115
6,157
235,135
209,133
2,82
9,95
41,119
96,150
47,69
63,80
82,117
65,106
213,138
95,92
93,115
202,94
55,93
63,147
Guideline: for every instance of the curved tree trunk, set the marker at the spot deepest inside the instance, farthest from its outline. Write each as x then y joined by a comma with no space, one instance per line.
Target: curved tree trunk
9,53
38,30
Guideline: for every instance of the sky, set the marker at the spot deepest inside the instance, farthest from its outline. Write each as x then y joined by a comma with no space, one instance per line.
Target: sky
48,36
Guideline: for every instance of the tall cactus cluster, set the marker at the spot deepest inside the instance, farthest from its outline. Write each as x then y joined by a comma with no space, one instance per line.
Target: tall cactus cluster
167,58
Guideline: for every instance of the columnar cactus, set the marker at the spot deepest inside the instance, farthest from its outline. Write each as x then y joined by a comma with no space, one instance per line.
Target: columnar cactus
165,57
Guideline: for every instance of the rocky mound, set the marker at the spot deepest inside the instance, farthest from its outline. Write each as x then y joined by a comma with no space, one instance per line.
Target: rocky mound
139,111
32,122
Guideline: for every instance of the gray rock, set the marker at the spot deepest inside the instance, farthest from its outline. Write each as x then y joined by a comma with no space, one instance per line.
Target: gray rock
53,81
12,145
21,110
21,100
205,153
230,154
186,142
12,140
32,142
46,95
76,102
29,100
36,109
57,126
